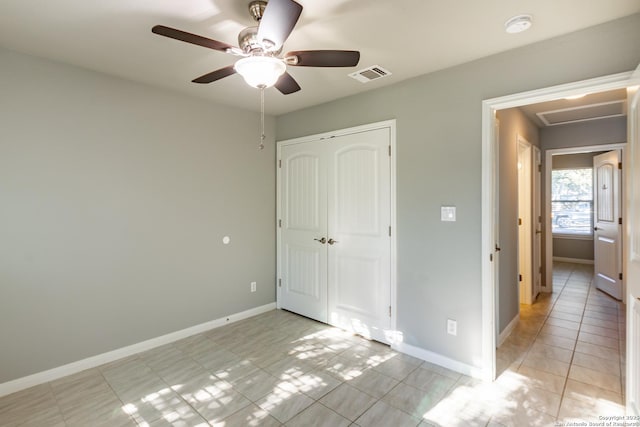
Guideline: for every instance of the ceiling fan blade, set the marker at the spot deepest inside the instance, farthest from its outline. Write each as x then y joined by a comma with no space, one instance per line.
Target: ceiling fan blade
215,75
287,84
323,58
190,38
280,16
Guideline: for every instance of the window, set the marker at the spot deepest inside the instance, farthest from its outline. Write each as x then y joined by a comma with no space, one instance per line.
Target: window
572,201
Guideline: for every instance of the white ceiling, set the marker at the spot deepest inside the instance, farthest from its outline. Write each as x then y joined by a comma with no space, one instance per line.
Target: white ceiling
407,37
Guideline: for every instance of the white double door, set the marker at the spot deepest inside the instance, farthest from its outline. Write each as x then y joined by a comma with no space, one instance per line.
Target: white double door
334,249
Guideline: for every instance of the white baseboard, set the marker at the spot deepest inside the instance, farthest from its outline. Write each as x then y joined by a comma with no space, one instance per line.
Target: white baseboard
440,360
573,260
100,359
507,331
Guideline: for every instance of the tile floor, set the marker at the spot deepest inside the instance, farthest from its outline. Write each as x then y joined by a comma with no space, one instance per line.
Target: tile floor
563,361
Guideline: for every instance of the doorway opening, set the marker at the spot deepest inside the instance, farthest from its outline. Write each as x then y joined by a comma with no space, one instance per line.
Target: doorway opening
490,195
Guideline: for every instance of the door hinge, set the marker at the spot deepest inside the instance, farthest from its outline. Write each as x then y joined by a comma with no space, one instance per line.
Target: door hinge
280,164
280,223
540,219
519,221
620,221
620,276
539,168
540,269
519,277
389,151
389,311
619,165
389,231
490,257
279,283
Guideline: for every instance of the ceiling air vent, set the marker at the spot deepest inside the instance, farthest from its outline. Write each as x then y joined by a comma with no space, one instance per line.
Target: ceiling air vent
374,72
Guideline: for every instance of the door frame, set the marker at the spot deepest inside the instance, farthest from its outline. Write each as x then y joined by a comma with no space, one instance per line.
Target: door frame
394,336
525,219
489,193
548,163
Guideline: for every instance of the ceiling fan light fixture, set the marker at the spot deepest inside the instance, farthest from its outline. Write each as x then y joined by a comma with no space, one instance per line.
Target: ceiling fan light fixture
518,24
260,71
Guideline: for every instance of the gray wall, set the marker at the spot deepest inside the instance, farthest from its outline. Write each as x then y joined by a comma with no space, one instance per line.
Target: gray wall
114,198
512,123
439,163
595,132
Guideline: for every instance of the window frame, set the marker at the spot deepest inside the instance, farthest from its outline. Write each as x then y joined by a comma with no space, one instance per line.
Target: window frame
571,236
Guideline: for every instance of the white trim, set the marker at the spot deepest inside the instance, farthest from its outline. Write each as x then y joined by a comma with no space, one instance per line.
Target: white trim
573,260
489,107
386,124
100,359
507,331
439,360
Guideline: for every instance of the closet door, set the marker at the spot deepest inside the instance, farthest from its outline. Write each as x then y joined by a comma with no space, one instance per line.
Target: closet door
303,251
359,246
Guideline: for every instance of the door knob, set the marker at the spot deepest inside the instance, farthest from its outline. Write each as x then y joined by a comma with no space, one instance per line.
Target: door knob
323,240
595,228
497,248
331,241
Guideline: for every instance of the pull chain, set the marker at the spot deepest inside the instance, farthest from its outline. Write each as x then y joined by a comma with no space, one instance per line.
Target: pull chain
262,136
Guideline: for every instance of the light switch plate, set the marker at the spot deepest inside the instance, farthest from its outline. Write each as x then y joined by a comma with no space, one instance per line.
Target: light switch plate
447,213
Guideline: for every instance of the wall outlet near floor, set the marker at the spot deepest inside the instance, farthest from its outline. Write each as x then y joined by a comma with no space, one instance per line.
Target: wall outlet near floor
452,327
253,286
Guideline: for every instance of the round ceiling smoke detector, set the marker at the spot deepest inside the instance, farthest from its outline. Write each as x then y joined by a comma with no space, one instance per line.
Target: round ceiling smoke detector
518,24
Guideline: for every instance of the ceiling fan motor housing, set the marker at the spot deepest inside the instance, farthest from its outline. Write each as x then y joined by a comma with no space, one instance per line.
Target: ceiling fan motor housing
256,9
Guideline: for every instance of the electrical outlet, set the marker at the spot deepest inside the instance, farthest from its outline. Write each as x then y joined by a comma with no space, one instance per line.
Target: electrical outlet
452,327
253,286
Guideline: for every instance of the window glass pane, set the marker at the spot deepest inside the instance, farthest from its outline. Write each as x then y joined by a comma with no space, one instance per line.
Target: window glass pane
572,201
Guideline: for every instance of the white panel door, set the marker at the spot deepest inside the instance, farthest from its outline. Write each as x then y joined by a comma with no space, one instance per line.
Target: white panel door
607,230
359,245
303,251
633,255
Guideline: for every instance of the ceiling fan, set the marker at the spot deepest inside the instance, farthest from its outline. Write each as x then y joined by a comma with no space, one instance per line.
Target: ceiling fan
261,64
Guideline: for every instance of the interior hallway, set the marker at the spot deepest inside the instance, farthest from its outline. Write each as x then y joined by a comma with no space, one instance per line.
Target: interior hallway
563,360
570,345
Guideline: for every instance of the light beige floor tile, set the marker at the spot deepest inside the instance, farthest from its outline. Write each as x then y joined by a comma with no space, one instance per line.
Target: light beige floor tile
427,380
590,393
551,366
346,369
556,341
567,324
413,400
541,379
250,416
348,401
601,323
610,342
374,383
596,350
565,316
601,316
314,384
596,378
284,405
610,365
177,416
559,331
382,414
518,416
256,385
598,330
318,415
215,408
396,367
571,409
540,349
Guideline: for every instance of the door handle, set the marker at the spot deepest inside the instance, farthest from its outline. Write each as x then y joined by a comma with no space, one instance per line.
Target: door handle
538,231
323,240
331,241
497,248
